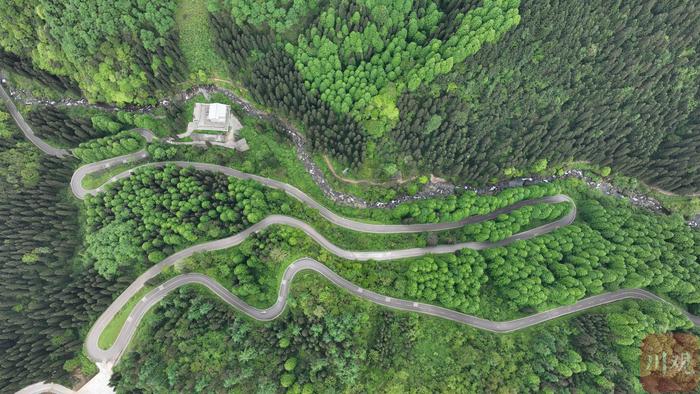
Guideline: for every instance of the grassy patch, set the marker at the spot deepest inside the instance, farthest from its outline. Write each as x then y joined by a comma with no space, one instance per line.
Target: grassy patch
81,364
683,205
97,179
217,132
110,333
197,40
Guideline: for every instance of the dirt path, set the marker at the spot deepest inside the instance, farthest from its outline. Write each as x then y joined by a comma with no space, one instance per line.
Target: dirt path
399,181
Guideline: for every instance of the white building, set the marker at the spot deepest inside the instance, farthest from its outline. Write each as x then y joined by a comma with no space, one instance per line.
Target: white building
217,125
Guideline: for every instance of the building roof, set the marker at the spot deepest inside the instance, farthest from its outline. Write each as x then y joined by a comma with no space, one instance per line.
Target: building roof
217,112
214,117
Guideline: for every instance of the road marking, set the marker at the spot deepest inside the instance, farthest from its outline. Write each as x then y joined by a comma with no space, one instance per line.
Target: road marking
160,287
415,305
387,299
284,282
359,290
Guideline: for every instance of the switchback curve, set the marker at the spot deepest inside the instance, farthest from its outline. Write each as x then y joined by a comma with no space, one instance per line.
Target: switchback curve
307,264
126,333
116,350
27,131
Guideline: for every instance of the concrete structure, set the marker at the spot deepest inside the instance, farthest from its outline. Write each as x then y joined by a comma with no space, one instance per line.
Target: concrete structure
218,124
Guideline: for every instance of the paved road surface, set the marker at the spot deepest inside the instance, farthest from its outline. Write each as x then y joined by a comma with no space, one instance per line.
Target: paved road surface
81,192
115,351
43,387
28,132
99,384
113,354
308,264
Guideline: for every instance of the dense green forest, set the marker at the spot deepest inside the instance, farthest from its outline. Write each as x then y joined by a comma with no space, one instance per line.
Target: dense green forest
476,91
615,84
156,212
611,246
46,299
329,342
123,52
608,248
111,146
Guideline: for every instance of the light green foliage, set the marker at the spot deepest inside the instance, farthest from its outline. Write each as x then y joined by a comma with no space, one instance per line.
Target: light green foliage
506,225
630,328
19,166
290,364
166,209
287,380
112,247
391,169
554,357
433,124
360,65
110,146
610,246
17,31
161,151
80,364
615,248
453,281
5,131
196,38
280,15
539,166
466,204
80,30
105,124
106,47
34,255
19,161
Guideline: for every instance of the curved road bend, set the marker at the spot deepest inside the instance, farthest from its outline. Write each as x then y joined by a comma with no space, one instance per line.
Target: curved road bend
156,295
112,354
40,143
82,193
117,349
28,132
307,264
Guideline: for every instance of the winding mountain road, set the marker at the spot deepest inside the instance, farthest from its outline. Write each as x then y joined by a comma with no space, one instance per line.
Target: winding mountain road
112,355
308,264
28,132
